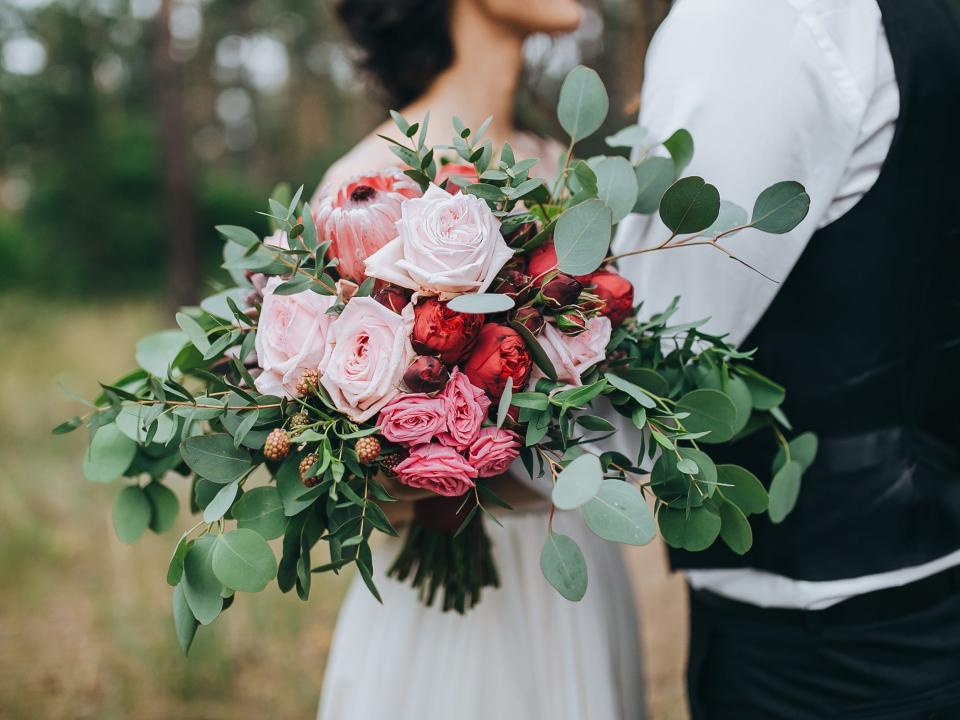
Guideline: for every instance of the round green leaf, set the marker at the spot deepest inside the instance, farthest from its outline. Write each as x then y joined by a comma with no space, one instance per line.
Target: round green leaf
680,147
645,378
131,419
734,529
803,449
156,353
741,487
764,393
261,510
731,216
692,530
243,561
214,457
184,622
481,303
619,513
634,391
577,482
710,410
632,136
784,490
109,454
582,237
563,565
780,208
131,513
201,589
164,506
690,205
675,487
583,103
654,176
616,186
221,502
737,392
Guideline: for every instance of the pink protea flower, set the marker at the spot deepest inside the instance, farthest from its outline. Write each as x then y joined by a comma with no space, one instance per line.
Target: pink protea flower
359,217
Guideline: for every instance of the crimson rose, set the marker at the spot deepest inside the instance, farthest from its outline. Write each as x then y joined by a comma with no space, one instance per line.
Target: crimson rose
500,353
437,330
616,293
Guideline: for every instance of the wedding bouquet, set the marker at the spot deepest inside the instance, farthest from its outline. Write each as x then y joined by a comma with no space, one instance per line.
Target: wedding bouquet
435,324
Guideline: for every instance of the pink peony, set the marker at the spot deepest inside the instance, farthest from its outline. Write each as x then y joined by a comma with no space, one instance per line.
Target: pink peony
291,337
574,355
493,451
360,217
413,418
446,244
436,467
466,408
368,348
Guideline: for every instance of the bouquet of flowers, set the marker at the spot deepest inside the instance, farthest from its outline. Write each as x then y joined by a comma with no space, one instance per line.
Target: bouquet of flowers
435,324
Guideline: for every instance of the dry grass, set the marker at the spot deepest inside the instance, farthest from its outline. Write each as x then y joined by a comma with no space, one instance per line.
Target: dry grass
85,630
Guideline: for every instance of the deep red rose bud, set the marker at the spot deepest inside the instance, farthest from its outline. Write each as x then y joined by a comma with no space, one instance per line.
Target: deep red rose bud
517,262
393,297
530,318
521,234
426,374
438,330
562,290
541,262
500,353
616,292
571,322
512,283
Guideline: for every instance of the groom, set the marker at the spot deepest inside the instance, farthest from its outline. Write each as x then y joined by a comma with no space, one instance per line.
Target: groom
851,607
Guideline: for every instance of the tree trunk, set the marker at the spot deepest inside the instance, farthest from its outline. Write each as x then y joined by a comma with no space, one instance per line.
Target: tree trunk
176,158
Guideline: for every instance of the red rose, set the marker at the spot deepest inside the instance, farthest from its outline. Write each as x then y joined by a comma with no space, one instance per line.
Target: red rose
393,297
425,375
453,173
500,353
541,262
530,318
616,293
561,290
437,330
511,283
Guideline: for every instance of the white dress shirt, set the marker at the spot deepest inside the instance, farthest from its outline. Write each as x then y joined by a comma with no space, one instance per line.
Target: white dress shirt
771,90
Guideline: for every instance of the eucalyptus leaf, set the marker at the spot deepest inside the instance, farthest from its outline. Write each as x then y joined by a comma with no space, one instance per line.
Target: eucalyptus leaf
504,405
578,482
690,205
243,561
803,449
780,208
131,513
617,186
710,410
741,487
563,565
634,137
481,303
784,490
196,334
261,510
582,237
695,529
109,454
680,147
164,506
221,502
634,391
201,589
214,457
619,513
184,622
731,215
735,531
583,103
175,566
156,353
654,175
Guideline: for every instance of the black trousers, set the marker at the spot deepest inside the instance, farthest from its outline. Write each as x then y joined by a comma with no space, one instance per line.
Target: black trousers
747,663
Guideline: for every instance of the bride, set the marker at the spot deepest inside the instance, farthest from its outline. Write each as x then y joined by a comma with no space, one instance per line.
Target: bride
524,652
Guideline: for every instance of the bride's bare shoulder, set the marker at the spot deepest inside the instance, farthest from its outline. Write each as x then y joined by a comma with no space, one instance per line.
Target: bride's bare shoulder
369,155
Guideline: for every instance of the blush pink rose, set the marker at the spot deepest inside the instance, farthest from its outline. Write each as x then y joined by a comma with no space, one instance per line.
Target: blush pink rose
436,467
368,348
360,217
574,355
466,408
291,337
446,244
493,451
413,418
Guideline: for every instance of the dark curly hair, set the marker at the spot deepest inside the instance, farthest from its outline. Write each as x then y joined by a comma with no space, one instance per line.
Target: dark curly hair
405,43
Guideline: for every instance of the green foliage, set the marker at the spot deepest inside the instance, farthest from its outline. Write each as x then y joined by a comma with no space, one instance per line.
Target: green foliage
564,566
619,513
577,483
583,103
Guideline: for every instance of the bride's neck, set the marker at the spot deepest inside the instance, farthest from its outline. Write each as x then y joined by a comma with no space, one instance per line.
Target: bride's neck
481,81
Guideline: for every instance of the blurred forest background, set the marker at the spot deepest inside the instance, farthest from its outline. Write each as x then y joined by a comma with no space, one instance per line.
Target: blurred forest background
128,129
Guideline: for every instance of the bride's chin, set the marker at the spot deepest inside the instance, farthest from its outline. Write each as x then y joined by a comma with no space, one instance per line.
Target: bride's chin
552,17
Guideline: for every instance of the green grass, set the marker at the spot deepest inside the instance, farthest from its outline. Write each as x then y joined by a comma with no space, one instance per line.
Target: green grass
85,628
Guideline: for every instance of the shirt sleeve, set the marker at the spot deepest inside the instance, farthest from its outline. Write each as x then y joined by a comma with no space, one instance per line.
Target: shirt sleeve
766,93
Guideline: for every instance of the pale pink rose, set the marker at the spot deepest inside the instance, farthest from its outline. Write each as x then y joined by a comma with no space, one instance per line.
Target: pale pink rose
466,408
368,348
436,467
574,355
291,337
413,418
493,451
359,217
446,244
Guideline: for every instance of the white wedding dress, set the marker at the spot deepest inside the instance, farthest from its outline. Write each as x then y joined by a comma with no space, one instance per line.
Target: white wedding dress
524,653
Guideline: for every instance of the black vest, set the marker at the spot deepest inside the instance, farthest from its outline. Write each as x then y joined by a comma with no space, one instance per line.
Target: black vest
865,335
